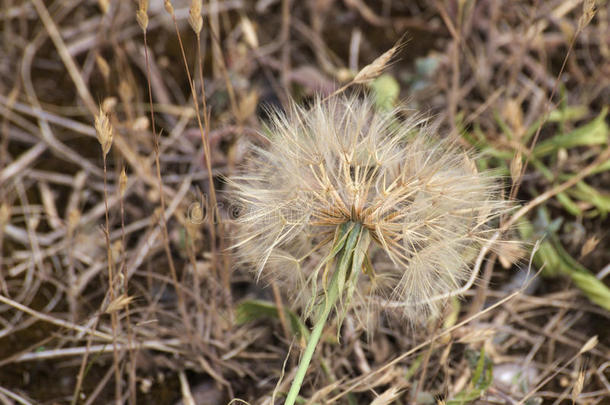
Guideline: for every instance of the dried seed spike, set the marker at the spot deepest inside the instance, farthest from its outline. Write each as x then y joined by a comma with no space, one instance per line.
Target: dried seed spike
119,303
588,12
109,104
104,131
516,165
589,245
142,14
249,32
578,385
195,18
388,396
591,343
143,5
375,68
104,5
122,182
168,7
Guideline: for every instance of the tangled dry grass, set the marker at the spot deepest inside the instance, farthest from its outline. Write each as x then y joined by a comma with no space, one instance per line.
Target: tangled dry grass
115,280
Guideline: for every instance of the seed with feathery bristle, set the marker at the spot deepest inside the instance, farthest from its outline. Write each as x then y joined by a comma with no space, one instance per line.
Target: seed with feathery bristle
419,197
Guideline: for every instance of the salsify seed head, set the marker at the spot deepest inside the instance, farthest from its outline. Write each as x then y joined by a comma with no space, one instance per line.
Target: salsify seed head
420,198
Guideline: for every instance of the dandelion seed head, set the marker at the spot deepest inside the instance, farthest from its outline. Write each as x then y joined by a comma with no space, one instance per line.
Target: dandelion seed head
421,199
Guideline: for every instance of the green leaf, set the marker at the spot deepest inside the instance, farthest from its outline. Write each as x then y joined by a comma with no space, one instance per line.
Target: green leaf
414,367
546,255
566,114
568,204
605,166
251,310
357,265
503,126
480,382
385,91
592,133
593,288
586,193
557,261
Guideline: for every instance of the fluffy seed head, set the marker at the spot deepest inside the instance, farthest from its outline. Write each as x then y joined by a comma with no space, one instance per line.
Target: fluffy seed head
421,199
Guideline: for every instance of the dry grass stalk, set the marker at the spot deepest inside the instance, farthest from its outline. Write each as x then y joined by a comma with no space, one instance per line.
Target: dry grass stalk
162,219
105,134
578,385
205,130
588,13
123,180
588,346
360,381
5,217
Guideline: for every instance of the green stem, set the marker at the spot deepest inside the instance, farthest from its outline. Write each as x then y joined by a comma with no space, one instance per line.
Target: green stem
330,298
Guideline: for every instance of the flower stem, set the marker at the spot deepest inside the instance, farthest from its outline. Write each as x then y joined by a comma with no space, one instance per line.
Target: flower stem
331,298
331,295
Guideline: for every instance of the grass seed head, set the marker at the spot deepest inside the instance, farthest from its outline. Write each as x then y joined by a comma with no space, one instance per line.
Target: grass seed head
104,131
419,197
169,7
142,14
122,182
195,18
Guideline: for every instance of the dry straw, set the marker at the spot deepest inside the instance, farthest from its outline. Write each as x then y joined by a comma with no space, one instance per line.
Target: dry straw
351,208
